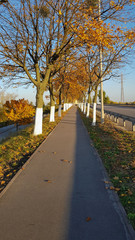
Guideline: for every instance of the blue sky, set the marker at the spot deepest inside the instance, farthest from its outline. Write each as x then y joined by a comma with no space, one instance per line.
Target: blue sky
111,87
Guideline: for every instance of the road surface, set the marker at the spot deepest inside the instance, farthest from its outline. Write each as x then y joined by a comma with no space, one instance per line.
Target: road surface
9,130
124,110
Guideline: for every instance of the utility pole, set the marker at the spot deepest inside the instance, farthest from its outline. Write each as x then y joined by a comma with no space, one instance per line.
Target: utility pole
122,89
101,80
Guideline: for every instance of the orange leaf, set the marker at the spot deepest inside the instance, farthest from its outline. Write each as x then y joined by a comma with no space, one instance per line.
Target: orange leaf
88,219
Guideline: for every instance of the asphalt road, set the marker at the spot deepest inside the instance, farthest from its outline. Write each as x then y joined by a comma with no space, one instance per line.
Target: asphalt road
61,194
125,110
9,130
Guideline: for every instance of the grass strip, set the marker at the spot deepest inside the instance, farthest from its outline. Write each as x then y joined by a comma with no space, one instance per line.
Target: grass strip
116,148
17,149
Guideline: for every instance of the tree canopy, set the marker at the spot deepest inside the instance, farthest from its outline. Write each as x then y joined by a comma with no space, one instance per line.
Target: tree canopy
36,35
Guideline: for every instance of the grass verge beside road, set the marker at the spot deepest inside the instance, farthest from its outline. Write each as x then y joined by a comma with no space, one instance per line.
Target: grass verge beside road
16,150
116,148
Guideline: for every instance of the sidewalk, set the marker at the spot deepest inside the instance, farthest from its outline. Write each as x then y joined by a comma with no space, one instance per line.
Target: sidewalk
61,194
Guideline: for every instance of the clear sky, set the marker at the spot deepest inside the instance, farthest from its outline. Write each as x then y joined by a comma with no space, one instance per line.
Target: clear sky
111,87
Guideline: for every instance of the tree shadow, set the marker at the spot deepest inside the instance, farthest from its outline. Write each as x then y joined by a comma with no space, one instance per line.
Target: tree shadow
92,211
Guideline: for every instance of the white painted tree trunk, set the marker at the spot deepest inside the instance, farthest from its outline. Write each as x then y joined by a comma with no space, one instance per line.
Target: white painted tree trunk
64,107
94,115
59,111
38,121
88,110
84,108
52,114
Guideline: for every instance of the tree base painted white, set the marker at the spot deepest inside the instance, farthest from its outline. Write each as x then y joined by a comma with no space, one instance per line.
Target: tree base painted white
59,111
38,121
52,114
94,115
88,110
84,108
67,106
64,107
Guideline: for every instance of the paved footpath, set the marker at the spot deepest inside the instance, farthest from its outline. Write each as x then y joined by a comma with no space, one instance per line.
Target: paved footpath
61,194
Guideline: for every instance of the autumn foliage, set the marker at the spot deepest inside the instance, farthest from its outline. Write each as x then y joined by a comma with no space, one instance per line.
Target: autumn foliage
19,111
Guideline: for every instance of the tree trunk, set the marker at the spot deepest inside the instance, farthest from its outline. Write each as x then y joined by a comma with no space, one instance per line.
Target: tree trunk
52,108
88,110
39,112
88,106
84,108
59,110
94,107
65,105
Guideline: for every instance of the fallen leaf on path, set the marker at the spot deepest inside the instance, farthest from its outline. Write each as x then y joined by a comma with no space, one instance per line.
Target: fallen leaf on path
41,151
88,219
48,181
67,161
54,152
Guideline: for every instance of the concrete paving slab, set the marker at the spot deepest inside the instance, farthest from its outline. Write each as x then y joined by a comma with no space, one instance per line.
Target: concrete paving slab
61,194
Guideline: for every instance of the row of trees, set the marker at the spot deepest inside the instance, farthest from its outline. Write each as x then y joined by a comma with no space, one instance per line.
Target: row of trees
66,47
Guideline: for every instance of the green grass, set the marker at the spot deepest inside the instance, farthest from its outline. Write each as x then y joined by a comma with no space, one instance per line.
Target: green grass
16,150
117,150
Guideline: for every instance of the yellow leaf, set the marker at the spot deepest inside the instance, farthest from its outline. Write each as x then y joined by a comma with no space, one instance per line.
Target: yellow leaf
60,13
2,182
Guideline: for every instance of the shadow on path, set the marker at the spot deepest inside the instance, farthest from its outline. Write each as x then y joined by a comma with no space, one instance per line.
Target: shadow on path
92,212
